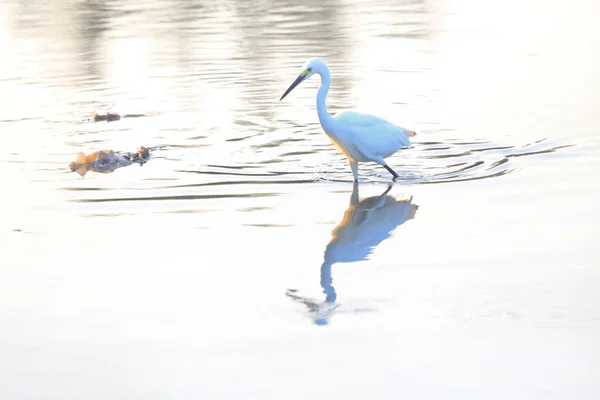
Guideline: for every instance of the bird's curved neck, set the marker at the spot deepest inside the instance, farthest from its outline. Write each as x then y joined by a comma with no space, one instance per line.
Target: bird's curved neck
324,116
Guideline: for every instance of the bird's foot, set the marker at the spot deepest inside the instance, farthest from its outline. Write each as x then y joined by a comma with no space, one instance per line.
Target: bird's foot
391,171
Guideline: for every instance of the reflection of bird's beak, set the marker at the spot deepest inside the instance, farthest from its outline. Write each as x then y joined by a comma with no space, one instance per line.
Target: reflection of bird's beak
298,80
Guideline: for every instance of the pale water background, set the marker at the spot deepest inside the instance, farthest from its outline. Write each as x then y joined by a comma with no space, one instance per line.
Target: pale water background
213,271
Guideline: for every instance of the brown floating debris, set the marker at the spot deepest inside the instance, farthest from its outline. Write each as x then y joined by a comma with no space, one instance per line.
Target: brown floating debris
106,161
106,117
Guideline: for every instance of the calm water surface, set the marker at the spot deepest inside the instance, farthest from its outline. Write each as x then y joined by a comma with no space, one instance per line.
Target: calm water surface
240,261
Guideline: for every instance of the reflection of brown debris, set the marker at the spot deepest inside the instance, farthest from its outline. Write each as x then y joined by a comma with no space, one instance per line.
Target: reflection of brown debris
108,117
106,161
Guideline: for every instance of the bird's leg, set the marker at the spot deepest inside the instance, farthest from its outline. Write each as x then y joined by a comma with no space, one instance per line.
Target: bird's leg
394,174
354,167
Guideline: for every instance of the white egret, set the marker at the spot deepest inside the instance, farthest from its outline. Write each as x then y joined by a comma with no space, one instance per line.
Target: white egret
361,137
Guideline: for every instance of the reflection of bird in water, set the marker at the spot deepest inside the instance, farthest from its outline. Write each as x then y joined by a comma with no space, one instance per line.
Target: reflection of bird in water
365,225
106,161
361,137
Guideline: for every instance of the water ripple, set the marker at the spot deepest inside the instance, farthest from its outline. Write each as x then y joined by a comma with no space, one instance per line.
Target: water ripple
180,197
427,162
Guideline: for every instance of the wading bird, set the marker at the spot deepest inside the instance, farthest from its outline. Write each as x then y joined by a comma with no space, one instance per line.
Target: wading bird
361,137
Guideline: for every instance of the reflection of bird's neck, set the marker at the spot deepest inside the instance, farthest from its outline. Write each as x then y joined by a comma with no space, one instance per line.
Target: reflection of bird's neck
327,282
324,117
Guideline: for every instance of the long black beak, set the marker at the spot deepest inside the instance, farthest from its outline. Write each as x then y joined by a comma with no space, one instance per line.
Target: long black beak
299,79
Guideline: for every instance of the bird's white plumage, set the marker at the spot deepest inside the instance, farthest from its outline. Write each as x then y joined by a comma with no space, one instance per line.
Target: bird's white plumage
373,137
361,137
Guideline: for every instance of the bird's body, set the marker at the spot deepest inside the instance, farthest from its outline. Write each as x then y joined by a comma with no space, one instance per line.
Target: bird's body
367,137
361,137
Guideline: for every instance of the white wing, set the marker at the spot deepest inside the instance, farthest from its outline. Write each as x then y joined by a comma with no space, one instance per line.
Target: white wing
373,136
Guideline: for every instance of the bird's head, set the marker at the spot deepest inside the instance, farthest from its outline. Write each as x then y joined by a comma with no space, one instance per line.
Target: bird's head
311,66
